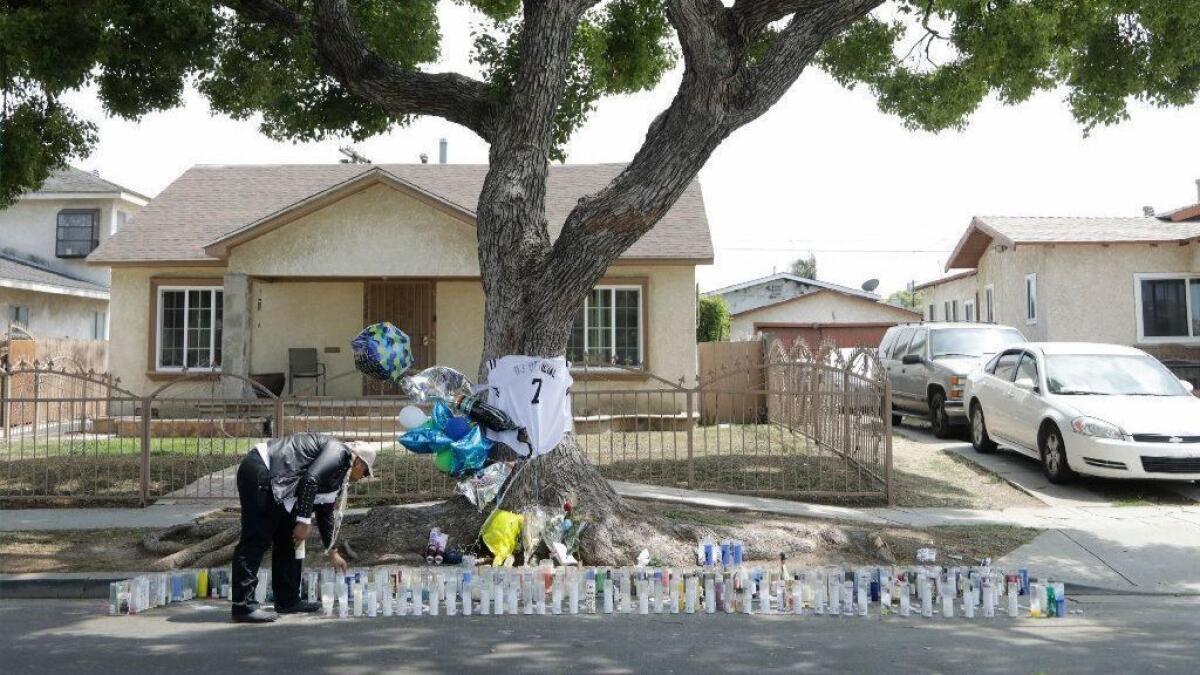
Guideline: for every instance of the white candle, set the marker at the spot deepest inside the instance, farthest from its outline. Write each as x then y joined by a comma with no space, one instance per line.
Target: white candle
710,595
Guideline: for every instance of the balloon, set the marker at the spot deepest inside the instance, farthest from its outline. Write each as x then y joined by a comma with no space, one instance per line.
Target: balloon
444,460
456,427
382,351
412,417
436,382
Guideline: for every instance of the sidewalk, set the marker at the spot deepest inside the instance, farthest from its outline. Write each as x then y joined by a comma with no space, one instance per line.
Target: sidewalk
1139,549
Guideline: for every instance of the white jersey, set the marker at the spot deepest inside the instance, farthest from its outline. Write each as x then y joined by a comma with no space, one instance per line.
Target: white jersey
536,394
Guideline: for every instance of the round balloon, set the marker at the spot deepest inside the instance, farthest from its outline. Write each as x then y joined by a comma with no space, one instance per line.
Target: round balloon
382,351
444,460
412,417
456,428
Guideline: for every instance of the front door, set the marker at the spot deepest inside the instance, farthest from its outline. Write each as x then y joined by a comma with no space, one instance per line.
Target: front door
408,305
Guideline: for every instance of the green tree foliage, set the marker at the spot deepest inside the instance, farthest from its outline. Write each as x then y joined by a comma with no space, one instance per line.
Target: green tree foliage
904,298
930,62
713,325
805,267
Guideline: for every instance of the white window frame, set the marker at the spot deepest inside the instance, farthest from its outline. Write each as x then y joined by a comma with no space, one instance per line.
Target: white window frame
954,307
1031,299
1187,279
947,315
989,301
969,311
100,325
641,294
158,319
932,312
14,315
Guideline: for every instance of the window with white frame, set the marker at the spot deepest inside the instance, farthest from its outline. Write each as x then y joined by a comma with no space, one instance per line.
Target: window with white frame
932,313
1031,309
946,312
969,310
1168,307
989,304
189,327
20,315
953,310
608,328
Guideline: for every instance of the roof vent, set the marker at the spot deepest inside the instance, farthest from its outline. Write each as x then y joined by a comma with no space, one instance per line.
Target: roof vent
96,173
1147,210
424,158
443,150
1198,190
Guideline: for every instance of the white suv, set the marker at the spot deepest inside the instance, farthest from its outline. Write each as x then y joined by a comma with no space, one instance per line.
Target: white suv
1097,409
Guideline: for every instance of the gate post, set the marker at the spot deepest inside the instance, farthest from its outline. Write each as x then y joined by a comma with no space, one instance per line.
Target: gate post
691,468
887,440
5,403
145,470
277,428
847,445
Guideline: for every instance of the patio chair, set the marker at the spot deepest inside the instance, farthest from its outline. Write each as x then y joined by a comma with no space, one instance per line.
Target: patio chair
303,364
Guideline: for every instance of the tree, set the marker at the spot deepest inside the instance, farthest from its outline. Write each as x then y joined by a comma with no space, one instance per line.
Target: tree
805,267
319,68
904,298
713,325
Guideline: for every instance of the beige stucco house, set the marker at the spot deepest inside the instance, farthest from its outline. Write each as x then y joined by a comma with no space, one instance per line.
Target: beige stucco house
786,306
46,288
232,266
1123,280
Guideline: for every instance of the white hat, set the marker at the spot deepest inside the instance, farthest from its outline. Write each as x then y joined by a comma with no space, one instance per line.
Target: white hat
364,451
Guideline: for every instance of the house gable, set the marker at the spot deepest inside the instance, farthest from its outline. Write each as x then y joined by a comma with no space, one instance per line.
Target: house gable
376,230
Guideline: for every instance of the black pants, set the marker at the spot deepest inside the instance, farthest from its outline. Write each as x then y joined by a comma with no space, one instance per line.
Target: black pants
264,524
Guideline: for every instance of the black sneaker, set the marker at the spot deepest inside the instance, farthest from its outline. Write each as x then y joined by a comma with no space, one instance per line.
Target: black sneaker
257,616
302,607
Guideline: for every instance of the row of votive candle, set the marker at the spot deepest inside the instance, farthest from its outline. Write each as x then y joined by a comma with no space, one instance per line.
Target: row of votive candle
946,592
146,591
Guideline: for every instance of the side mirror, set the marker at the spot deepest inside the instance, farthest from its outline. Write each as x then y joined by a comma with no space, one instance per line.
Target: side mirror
911,359
1187,385
1027,384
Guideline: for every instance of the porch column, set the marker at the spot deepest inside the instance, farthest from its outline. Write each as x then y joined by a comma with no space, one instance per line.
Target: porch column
235,333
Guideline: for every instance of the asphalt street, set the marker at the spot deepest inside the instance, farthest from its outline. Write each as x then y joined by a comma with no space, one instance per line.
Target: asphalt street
1124,634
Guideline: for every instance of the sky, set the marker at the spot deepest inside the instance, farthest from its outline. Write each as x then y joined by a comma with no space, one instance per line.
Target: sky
822,172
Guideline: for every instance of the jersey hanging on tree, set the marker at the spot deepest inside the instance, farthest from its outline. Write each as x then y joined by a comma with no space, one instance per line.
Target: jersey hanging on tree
536,393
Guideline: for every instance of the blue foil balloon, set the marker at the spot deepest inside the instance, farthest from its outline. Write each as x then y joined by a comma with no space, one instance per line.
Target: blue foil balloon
425,440
383,352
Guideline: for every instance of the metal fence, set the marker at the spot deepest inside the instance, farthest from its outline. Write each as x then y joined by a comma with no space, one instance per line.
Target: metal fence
796,424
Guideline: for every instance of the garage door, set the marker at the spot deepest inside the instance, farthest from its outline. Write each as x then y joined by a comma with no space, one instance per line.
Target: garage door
840,334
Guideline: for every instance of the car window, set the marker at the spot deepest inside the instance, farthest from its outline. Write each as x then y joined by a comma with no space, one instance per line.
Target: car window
1027,369
917,346
1110,375
1006,365
990,366
889,338
901,343
951,342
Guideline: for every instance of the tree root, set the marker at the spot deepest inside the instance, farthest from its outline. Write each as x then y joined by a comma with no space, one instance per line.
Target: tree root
190,555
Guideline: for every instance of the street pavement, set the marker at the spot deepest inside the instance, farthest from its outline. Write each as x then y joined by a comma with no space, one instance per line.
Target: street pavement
1117,634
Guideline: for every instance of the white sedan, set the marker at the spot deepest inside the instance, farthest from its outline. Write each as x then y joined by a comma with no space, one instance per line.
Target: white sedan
1096,409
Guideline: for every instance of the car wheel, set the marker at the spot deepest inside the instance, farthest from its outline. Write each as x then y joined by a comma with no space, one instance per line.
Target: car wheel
938,418
897,419
979,435
1054,458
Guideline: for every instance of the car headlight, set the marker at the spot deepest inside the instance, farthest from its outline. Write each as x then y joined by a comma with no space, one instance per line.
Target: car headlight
1090,426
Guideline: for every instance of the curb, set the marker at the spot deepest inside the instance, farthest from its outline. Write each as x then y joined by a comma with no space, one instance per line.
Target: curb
67,586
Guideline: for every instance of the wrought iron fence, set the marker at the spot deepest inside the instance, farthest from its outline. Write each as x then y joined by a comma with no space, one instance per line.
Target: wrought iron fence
792,423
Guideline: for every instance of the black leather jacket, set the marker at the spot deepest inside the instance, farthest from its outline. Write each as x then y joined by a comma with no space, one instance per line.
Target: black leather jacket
305,465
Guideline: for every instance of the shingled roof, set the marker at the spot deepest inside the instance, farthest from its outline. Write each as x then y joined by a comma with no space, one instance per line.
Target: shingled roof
77,181
208,203
25,274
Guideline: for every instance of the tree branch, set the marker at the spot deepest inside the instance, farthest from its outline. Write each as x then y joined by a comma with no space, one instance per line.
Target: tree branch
345,54
721,90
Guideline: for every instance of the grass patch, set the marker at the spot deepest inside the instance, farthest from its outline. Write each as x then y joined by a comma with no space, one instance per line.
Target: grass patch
710,518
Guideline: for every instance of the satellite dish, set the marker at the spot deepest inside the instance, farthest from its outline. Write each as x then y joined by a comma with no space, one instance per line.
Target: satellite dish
870,285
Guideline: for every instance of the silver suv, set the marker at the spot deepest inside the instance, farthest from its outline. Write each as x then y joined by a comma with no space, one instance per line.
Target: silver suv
928,365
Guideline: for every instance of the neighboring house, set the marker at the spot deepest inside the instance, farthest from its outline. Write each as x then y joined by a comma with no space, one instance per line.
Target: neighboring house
787,307
46,287
955,298
232,266
1129,281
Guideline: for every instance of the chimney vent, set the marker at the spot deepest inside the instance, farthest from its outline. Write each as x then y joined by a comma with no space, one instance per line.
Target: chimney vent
1198,190
1147,210
442,150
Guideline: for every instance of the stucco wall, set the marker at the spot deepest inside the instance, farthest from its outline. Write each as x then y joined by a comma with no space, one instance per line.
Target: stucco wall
377,232
307,314
764,293
1085,292
819,307
52,315
961,290
31,225
459,327
130,329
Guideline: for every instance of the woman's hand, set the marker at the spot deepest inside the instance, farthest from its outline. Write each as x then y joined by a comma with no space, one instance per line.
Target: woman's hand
300,533
337,561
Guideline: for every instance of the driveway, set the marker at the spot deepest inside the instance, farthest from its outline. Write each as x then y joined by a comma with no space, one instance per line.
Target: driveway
1026,474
